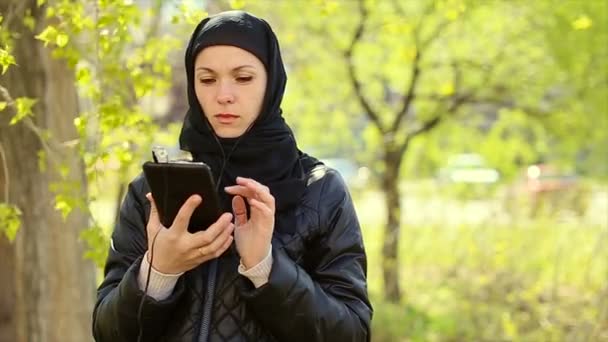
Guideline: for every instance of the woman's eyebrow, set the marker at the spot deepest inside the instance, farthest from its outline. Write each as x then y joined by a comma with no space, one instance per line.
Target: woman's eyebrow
234,69
205,69
243,67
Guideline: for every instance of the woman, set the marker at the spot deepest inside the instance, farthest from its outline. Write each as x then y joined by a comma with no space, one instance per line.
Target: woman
297,268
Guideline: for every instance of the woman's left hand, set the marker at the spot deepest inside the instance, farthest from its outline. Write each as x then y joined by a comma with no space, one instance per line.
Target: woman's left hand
253,236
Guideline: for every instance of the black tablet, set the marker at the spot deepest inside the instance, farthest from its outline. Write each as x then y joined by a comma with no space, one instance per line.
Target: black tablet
172,183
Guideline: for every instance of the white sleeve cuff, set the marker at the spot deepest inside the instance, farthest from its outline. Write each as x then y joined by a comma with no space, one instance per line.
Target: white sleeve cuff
259,273
161,285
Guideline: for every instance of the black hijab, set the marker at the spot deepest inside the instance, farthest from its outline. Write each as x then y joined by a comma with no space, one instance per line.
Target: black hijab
267,152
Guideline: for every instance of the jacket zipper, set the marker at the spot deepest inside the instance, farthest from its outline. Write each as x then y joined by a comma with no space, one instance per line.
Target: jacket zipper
206,319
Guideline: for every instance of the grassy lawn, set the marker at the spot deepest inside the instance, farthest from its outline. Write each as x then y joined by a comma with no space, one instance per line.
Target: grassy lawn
542,281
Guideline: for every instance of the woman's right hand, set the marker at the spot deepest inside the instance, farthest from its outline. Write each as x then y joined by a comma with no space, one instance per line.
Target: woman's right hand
176,250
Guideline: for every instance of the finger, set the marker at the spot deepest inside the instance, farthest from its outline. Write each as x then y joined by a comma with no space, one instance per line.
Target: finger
153,220
263,207
207,236
220,251
214,249
252,183
259,190
182,219
240,211
239,190
260,211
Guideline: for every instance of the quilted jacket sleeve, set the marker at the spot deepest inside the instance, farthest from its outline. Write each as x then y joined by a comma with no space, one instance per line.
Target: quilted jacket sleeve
115,317
329,303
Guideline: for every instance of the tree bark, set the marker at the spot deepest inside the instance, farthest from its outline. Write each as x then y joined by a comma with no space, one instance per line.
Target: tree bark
7,290
48,287
390,250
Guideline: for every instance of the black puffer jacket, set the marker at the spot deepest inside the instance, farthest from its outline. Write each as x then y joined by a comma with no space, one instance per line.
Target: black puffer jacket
316,291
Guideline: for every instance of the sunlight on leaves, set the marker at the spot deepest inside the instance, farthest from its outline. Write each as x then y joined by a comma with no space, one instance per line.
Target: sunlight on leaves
24,108
62,39
6,60
49,34
10,220
237,4
582,23
97,243
446,88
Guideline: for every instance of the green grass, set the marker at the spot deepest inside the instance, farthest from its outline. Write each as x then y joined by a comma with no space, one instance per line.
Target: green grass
542,281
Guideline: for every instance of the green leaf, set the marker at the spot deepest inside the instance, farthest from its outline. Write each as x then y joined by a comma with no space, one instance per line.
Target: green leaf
97,242
3,105
42,160
40,2
62,39
49,34
24,108
64,207
6,60
10,220
29,22
582,23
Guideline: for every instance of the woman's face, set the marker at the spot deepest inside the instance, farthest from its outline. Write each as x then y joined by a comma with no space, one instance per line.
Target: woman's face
230,84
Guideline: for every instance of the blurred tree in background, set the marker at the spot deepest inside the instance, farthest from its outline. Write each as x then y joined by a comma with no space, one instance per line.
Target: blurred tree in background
398,86
385,74
43,273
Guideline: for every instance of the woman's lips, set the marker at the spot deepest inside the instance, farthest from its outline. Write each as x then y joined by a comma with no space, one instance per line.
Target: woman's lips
226,118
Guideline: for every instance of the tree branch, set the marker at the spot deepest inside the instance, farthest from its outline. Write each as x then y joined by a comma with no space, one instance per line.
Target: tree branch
409,96
30,124
348,54
457,102
420,50
6,175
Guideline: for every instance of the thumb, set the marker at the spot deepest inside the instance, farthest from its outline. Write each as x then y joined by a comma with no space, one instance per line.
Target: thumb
240,211
153,220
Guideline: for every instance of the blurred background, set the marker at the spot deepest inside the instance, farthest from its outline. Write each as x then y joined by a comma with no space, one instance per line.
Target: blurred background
473,136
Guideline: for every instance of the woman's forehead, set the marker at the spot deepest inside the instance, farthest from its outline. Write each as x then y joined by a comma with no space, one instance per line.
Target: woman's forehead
226,57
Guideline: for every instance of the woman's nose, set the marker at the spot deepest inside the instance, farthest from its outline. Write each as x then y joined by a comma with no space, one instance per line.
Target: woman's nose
225,94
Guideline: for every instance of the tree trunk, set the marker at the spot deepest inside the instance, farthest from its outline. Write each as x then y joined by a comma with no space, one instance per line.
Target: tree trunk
48,288
7,290
390,250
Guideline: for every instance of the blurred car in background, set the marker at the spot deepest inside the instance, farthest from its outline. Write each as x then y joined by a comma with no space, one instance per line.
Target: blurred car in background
355,176
547,189
547,178
467,176
468,168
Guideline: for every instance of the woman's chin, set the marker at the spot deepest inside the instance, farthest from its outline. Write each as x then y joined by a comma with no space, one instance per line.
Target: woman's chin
228,132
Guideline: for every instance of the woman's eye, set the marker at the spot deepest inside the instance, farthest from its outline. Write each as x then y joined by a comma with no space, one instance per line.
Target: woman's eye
206,80
244,79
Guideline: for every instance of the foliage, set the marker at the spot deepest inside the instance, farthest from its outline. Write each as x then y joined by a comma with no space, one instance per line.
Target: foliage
6,60
489,283
115,67
9,220
387,75
515,65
